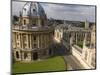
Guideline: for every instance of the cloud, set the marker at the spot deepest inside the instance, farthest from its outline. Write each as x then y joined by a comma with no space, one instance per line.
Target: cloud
63,11
70,12
16,7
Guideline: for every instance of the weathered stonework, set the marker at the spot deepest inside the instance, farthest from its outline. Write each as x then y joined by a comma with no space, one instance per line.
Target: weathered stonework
32,38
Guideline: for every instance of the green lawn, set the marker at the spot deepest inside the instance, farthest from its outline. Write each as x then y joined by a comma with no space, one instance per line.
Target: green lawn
50,64
80,44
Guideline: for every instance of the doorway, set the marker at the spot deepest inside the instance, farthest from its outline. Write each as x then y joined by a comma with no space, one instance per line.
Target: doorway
35,55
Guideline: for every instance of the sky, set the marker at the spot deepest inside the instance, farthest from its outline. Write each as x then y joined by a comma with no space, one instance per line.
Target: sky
70,12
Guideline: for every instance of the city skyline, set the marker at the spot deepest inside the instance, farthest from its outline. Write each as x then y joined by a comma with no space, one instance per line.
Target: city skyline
62,11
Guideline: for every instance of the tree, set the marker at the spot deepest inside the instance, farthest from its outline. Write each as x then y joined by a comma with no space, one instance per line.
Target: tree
15,18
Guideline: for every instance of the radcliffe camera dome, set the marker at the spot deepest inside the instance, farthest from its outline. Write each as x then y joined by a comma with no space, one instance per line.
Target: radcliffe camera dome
33,9
33,14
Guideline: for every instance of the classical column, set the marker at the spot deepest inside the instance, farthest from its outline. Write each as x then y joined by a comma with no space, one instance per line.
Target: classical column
30,41
27,41
22,40
29,56
46,40
22,55
38,41
41,41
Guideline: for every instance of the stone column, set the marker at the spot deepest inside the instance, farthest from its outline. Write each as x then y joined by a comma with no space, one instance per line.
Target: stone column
27,41
41,41
29,56
38,41
71,39
84,46
14,40
46,41
22,55
90,55
22,40
30,41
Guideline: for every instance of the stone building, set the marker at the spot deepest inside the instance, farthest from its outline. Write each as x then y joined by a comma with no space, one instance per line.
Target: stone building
78,41
31,37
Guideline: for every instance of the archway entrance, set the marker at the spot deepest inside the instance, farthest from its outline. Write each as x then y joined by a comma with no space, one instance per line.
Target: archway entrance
35,55
17,54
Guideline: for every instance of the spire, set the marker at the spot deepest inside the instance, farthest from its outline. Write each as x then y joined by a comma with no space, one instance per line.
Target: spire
86,24
84,42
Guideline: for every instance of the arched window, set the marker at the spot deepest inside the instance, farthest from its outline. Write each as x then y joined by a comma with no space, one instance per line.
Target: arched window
50,51
17,54
24,22
34,38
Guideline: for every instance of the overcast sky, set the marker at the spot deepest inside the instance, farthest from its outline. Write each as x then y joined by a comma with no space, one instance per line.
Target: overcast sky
62,11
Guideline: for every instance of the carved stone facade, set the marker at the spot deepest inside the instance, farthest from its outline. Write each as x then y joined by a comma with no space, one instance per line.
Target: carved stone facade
32,38
78,41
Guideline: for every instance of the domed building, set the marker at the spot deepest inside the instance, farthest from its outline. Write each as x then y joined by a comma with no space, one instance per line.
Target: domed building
31,37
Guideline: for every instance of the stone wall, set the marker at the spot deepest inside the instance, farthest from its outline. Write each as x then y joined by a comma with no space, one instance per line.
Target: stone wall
78,55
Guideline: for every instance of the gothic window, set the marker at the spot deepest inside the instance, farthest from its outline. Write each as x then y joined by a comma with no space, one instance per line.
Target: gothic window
17,54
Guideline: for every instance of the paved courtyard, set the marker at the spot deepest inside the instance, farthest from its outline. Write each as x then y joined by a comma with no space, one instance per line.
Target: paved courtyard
71,62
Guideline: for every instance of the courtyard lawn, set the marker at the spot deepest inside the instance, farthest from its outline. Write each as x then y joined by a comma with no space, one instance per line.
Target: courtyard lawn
80,44
50,64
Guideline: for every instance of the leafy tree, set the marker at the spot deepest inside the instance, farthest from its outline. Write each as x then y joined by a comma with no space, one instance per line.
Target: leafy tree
15,18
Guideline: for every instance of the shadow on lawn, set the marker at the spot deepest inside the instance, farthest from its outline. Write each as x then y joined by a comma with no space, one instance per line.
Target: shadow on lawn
59,50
